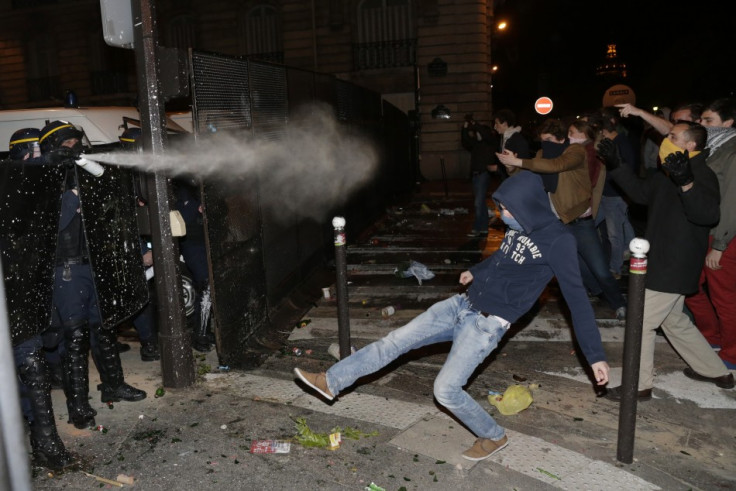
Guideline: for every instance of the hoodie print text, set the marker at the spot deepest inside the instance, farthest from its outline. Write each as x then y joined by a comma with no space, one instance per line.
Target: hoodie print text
518,247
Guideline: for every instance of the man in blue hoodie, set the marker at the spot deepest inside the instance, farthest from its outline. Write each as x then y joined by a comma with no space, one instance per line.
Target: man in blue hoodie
536,247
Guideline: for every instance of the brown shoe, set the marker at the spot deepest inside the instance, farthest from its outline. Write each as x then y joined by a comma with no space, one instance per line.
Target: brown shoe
724,381
484,448
317,381
614,394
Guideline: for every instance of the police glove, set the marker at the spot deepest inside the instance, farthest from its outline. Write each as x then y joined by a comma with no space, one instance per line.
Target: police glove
61,155
678,167
609,154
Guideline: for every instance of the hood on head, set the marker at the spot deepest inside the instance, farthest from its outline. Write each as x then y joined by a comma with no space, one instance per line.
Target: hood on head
524,196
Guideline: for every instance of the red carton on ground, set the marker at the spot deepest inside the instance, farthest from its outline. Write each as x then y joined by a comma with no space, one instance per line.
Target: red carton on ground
270,446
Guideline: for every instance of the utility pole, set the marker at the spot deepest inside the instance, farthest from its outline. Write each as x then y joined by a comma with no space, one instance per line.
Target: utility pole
177,362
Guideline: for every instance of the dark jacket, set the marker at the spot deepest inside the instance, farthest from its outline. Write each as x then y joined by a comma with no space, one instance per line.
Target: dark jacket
481,152
677,224
509,282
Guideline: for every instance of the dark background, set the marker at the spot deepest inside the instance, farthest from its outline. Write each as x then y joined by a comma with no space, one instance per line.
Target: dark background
674,52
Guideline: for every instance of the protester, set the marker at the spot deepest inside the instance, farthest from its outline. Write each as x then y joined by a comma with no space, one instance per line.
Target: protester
502,288
683,204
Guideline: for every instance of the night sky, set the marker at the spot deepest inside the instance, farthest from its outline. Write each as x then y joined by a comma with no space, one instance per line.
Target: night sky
673,52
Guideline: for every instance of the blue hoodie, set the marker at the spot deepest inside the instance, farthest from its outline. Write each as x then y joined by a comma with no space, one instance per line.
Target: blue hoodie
509,282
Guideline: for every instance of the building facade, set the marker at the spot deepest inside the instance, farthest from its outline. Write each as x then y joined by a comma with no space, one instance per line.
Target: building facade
419,54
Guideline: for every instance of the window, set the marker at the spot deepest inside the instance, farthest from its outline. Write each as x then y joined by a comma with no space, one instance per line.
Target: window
108,67
385,34
42,68
260,33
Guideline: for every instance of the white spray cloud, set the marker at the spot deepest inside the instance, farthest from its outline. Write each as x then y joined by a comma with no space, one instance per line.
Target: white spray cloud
313,167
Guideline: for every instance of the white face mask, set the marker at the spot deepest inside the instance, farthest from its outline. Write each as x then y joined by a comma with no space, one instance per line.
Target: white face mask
577,140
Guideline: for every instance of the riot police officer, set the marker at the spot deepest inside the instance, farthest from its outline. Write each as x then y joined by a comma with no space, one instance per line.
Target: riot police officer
33,375
75,297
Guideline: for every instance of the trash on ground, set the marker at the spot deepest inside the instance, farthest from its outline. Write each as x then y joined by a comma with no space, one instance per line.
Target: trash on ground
334,350
414,268
388,311
335,440
518,378
296,351
514,400
270,446
103,480
303,323
160,392
326,293
374,487
309,438
547,473
125,479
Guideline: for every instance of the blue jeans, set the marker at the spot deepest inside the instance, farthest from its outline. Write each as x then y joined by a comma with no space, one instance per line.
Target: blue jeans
473,338
615,212
481,181
593,265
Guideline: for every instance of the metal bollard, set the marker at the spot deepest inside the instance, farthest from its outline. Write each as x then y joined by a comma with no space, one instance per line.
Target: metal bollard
632,351
341,288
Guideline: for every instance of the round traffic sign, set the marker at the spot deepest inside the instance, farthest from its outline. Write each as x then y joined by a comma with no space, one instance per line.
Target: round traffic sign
543,105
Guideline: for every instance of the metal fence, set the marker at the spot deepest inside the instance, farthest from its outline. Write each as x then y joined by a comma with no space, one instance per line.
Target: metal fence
256,260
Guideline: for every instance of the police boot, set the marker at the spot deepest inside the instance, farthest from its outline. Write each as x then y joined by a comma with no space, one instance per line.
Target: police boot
48,449
113,386
75,364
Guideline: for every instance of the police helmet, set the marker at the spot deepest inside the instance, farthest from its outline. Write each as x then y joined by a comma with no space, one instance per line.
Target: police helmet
23,142
130,139
56,132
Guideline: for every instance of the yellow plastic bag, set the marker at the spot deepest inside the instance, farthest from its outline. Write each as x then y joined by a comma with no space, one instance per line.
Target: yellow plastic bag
514,400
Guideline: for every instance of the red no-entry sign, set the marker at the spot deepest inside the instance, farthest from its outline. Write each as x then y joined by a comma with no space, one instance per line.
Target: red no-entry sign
543,105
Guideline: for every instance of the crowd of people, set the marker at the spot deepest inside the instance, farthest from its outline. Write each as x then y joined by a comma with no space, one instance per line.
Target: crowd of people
57,354
570,200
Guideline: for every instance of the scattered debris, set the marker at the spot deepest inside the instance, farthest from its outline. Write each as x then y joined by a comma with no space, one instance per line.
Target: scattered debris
103,480
223,427
303,323
334,350
388,311
326,293
125,479
414,268
374,487
270,446
547,473
514,400
160,392
518,378
308,438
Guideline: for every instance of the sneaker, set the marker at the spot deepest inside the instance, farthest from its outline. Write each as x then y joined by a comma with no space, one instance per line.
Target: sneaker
484,448
621,314
317,381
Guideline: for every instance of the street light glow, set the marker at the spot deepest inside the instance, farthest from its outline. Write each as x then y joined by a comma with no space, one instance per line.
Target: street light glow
502,25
